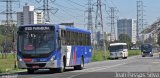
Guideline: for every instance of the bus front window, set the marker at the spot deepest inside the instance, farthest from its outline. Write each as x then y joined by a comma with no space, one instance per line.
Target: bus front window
36,42
116,48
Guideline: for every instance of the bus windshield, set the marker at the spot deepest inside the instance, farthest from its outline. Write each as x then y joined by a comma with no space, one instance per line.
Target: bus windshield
36,42
116,48
146,48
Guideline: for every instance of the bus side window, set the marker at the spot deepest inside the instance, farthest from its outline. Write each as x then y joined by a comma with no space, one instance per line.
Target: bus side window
74,40
88,40
63,37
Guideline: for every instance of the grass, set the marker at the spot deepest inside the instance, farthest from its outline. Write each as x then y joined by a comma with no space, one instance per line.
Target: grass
133,52
8,64
99,55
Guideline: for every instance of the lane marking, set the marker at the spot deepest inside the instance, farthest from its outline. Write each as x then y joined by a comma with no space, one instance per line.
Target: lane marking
94,69
155,62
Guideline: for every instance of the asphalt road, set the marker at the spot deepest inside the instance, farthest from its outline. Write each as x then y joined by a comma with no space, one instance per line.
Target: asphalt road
133,67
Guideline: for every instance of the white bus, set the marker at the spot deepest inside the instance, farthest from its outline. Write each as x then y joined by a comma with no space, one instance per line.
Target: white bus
118,50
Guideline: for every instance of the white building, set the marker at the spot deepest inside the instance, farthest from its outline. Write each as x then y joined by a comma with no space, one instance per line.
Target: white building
29,16
127,26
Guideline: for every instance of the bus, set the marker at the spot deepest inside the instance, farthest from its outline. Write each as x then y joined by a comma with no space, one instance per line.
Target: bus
146,50
47,46
118,50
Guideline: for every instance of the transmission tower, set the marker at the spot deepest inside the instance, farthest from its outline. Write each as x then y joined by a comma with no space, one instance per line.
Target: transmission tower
9,11
99,25
90,26
47,10
113,18
140,20
89,19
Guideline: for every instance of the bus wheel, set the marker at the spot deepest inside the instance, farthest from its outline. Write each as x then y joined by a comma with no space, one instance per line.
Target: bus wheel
81,66
52,70
125,57
62,69
30,71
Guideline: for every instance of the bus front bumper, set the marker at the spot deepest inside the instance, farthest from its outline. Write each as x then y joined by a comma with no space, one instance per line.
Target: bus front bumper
113,56
37,65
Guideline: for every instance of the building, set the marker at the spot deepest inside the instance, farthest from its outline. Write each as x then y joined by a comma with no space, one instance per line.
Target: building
29,16
107,36
127,26
11,22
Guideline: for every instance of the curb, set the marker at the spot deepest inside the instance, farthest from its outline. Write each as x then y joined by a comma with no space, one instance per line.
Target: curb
11,73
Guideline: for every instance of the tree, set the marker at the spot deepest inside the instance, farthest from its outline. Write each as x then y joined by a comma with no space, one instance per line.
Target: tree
124,38
158,42
6,38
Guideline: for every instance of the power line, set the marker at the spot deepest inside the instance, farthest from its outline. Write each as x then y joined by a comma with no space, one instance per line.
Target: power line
69,7
66,12
47,9
76,3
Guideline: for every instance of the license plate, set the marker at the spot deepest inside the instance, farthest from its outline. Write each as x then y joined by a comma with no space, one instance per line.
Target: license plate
35,66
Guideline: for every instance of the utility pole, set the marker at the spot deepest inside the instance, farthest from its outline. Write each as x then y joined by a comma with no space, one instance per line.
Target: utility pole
113,18
99,25
140,21
47,10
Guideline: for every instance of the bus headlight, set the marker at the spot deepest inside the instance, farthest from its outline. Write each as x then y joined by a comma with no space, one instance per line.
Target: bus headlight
52,58
19,58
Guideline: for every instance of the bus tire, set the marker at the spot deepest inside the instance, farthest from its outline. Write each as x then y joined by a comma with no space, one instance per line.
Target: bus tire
62,69
125,57
81,66
52,70
30,71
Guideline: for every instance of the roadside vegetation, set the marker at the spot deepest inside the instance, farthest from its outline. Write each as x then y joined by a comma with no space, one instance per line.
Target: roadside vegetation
8,64
99,55
133,52
7,59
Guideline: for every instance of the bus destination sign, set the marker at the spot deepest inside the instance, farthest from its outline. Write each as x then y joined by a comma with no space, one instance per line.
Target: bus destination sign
36,28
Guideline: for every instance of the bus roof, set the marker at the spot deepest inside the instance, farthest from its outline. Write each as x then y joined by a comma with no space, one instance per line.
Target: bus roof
69,28
114,44
64,27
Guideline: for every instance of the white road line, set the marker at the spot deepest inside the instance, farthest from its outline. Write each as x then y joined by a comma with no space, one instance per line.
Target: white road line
95,69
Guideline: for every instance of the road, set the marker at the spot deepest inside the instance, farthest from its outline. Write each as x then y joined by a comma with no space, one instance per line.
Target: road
133,67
